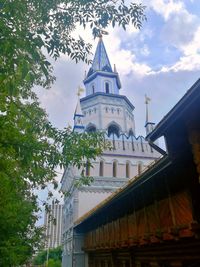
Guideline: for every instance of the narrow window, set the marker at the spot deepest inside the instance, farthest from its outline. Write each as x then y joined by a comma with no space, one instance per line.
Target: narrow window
93,89
101,168
127,170
107,87
114,169
139,168
87,169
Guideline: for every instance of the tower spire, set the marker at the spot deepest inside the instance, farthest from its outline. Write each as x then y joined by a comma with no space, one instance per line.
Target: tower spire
78,114
101,77
101,61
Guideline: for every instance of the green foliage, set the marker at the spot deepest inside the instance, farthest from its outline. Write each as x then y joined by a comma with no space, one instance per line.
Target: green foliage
40,258
16,223
30,147
30,29
54,257
54,263
30,150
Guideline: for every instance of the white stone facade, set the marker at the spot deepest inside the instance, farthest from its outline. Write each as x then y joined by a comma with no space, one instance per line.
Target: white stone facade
102,109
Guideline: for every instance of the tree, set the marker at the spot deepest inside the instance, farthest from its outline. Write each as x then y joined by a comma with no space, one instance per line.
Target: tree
30,147
29,29
29,152
54,257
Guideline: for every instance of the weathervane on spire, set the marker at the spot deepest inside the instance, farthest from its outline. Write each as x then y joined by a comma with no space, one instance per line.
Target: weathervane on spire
101,33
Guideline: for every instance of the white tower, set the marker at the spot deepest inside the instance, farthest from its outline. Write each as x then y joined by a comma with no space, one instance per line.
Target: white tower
103,109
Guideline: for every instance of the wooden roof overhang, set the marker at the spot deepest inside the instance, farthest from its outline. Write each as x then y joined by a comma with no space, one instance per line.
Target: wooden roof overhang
135,195
174,126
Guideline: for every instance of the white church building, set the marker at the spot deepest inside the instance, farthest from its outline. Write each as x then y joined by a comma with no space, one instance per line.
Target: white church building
102,109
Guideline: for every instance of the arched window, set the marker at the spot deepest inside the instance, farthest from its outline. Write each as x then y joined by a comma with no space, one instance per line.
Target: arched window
101,168
113,129
107,88
114,169
127,170
140,167
87,169
91,129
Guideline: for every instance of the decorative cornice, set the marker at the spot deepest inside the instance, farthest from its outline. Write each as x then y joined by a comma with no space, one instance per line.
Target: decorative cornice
108,95
103,74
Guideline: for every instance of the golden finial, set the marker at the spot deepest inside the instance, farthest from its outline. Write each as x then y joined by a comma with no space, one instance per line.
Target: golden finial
80,90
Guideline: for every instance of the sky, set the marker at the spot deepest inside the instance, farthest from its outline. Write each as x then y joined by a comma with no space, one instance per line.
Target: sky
161,60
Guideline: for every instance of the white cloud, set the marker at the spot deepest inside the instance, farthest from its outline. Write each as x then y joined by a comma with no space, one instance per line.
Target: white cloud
193,47
186,63
190,60
180,29
166,8
145,50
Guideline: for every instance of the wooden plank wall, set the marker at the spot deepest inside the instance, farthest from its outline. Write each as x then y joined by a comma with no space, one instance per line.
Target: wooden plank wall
168,219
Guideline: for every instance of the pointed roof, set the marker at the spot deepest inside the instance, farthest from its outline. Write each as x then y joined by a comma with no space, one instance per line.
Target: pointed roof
78,115
101,61
78,110
101,65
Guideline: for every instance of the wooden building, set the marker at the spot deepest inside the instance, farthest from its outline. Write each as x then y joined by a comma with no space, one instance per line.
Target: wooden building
155,219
